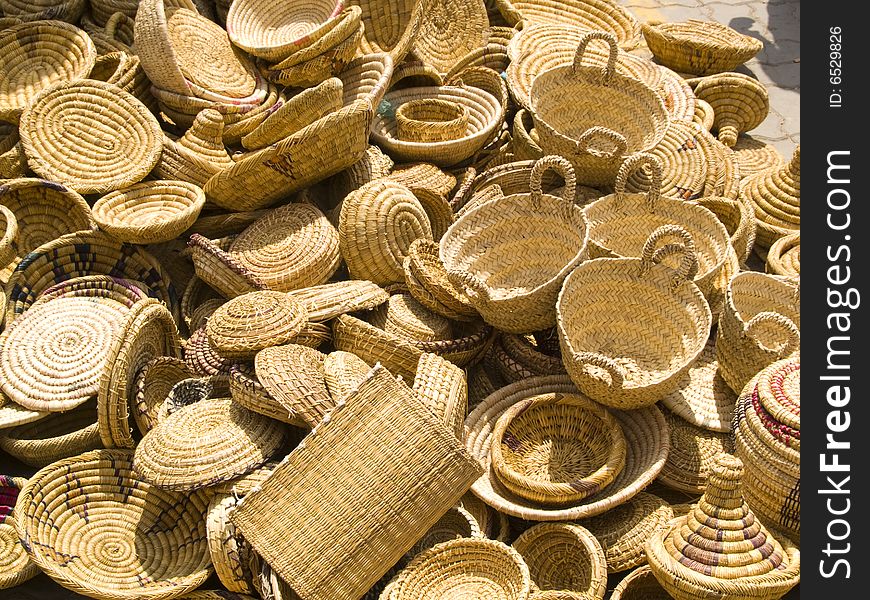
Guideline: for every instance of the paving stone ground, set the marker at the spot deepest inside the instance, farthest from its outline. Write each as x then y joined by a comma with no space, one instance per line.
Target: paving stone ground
776,23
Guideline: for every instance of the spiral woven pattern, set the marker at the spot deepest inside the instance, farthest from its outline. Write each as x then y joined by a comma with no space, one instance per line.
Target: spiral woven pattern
8,235
247,391
740,103
201,357
37,10
684,169
775,195
92,150
450,30
153,383
692,456
343,372
431,120
13,414
784,257
754,155
55,437
699,47
519,356
293,375
229,552
126,538
723,170
456,523
374,345
640,584
57,51
249,323
406,318
703,116
15,565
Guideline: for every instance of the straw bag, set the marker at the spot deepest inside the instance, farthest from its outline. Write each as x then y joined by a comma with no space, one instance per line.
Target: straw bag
699,47
391,26
450,30
640,584
627,343
775,196
721,549
760,324
784,257
384,424
58,51
767,433
15,563
740,103
480,254
608,117
119,513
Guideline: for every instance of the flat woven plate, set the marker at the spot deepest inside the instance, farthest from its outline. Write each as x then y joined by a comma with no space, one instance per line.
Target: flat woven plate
205,443
251,322
90,136
647,444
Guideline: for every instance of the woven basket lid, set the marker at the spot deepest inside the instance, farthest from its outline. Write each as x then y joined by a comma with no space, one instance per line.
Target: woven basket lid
784,257
124,544
623,530
343,372
754,155
13,414
640,584
684,168
293,375
403,316
699,47
247,324
646,450
775,194
327,301
374,345
57,436
389,214
740,103
692,455
90,135
450,30
205,443
721,547
57,50
427,281
779,392
441,386
247,391
15,565
292,247
202,358
148,332
153,383
230,553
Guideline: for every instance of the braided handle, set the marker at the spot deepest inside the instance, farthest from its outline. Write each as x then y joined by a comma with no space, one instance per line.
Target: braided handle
585,141
610,68
789,330
473,283
688,268
617,374
639,161
563,168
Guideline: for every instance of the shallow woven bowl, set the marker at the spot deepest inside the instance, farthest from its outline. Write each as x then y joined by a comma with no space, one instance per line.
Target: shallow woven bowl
112,535
699,47
150,212
557,449
485,116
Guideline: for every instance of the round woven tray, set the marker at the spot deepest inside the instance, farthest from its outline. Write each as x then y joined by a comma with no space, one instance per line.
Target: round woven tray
247,324
699,47
13,414
53,438
153,383
692,456
293,375
450,30
15,565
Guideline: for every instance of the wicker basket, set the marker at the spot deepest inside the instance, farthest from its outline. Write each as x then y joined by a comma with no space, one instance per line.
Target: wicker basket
230,554
247,324
9,235
56,436
379,425
704,115
723,170
15,563
720,549
441,385
125,544
293,375
202,359
480,253
775,196
13,163
456,523
327,301
759,325
784,257
519,356
640,584
684,168
677,95
595,116
343,372
450,30
740,103
152,385
247,391
738,218
391,26
431,120
692,456
406,318
699,47
557,449
102,10
13,414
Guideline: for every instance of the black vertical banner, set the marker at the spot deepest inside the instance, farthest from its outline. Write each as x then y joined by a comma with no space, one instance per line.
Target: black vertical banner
835,231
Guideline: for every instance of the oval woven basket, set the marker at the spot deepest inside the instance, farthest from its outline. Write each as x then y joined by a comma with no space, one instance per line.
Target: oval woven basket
740,103
149,212
609,115
90,135
699,47
511,255
123,541
628,342
54,437
403,316
784,257
247,391
57,50
15,563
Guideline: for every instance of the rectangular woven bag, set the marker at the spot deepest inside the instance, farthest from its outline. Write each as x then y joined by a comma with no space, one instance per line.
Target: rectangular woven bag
358,492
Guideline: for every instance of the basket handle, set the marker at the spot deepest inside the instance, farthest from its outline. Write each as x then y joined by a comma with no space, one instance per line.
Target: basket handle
602,133
617,374
688,268
639,161
610,68
473,283
789,330
563,168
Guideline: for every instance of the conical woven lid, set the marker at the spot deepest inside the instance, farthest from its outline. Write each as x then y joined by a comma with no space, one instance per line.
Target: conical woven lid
205,138
721,537
775,193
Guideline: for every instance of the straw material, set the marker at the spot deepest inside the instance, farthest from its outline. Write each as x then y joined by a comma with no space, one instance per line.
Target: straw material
247,324
120,538
229,552
450,30
391,26
759,325
431,120
640,584
13,414
205,443
8,235
775,195
383,424
90,135
557,449
677,95
152,385
377,224
125,70
53,438
609,117
493,524
247,391
517,357
150,212
739,220
220,269
13,163
721,549
327,301
564,557
293,375
723,170
692,456
740,103
102,10
373,165
485,117
117,36
198,154
15,564
754,155
201,358
784,257
36,10
767,438
464,568
472,341
456,523
623,530
406,318
704,115
428,283
628,344
57,51
646,440
423,176
148,331
479,252
441,385
699,47
190,391
684,169
703,398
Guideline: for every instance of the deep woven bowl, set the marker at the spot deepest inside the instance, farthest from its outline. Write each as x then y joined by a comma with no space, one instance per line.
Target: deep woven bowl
431,120
699,47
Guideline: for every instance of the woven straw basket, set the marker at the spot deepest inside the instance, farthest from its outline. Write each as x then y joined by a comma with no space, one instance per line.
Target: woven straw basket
55,437
775,196
15,564
391,26
699,47
450,30
740,103
229,552
609,115
629,328
784,257
37,10
480,252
